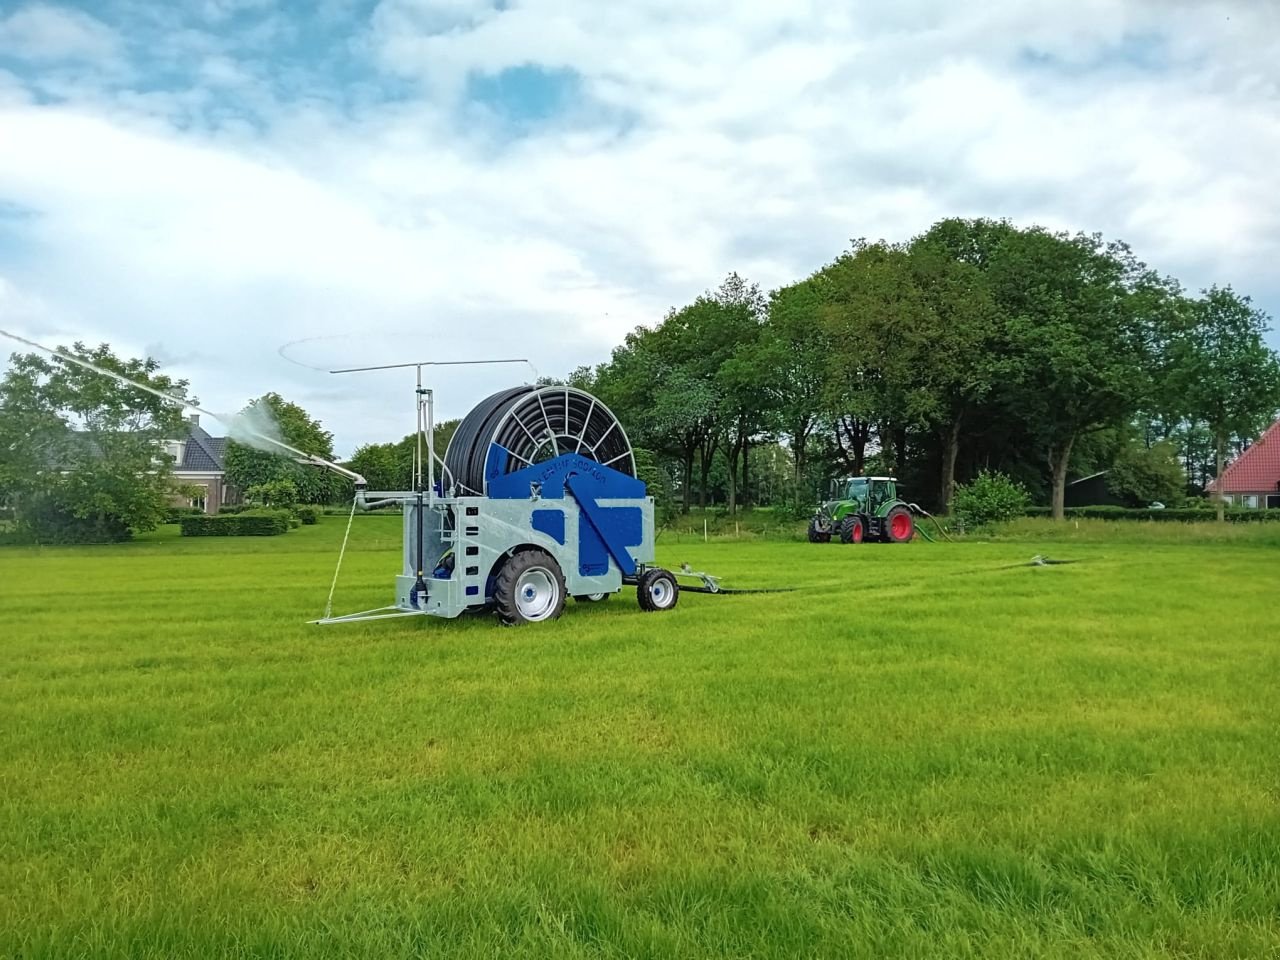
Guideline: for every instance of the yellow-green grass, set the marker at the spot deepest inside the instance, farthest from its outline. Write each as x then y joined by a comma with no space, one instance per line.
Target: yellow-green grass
921,752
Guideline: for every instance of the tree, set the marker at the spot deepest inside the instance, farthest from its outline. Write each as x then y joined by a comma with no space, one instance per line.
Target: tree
248,466
81,455
1142,474
956,344
1222,371
1080,320
744,406
390,466
794,349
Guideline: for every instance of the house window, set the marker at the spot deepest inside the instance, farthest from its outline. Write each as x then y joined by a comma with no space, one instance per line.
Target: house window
199,500
1273,502
1249,501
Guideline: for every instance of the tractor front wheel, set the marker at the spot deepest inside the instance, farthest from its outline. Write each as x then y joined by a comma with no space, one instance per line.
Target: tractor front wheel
816,532
852,529
899,527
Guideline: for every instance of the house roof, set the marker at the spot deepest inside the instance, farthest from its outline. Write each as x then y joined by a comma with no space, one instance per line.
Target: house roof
1089,477
202,453
1257,470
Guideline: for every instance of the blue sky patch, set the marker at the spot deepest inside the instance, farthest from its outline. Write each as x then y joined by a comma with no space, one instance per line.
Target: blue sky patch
526,95
1134,51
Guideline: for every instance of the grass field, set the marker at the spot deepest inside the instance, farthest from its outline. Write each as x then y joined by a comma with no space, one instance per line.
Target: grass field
922,752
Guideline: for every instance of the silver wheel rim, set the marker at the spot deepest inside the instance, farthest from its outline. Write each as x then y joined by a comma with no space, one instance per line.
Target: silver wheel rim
536,593
596,597
661,593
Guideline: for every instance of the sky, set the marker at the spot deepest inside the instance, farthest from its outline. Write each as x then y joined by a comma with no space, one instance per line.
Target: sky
257,191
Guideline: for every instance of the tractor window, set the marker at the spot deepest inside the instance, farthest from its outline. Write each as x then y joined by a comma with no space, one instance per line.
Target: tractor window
856,490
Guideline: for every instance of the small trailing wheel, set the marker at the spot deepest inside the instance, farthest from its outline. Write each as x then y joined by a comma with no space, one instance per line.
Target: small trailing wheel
657,590
899,527
591,597
819,530
852,529
529,588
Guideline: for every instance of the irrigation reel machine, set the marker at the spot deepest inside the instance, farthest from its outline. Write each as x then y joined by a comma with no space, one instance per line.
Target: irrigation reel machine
536,500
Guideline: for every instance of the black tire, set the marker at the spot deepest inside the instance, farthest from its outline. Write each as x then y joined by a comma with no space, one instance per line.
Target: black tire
816,535
899,526
529,588
657,590
852,529
592,597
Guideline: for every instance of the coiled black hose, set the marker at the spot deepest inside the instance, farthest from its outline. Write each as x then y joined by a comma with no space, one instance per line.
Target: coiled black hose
535,424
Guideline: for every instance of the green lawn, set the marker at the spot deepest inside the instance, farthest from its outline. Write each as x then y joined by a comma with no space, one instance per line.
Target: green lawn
921,752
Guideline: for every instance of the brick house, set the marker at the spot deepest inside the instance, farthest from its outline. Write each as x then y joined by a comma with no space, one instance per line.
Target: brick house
199,463
1253,479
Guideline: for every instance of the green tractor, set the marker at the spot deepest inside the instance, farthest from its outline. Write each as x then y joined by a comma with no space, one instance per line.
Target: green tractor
863,508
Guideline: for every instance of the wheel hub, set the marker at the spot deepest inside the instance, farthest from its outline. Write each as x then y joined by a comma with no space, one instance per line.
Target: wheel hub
536,594
662,594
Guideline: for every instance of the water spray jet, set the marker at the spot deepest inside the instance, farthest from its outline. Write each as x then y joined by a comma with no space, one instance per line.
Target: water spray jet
235,423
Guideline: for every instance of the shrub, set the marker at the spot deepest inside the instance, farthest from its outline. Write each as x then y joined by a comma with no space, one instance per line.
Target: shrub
988,498
1196,514
174,514
274,493
308,513
52,522
229,508
249,524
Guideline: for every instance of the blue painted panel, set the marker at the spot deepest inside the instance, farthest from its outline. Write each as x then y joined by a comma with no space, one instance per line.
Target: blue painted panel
550,522
593,554
594,480
495,460
616,527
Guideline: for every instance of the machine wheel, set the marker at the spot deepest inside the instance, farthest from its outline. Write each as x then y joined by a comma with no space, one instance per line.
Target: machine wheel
852,529
529,588
899,527
592,597
817,534
657,590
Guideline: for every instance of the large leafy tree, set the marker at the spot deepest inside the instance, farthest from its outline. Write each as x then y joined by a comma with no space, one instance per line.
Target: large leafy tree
954,348
794,349
81,454
1221,371
1081,321
248,466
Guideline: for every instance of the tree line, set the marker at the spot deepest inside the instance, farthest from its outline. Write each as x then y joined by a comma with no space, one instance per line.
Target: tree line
976,345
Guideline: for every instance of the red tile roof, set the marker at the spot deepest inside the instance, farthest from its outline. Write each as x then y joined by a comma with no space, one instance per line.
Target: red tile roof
1257,470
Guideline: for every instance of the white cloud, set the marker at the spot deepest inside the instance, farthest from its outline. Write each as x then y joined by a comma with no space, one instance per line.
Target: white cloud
41,32
218,222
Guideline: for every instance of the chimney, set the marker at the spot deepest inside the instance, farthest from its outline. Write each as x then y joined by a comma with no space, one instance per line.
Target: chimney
194,419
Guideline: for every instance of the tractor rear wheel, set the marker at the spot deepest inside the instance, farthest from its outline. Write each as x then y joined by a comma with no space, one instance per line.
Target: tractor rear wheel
657,590
899,527
529,588
852,529
817,534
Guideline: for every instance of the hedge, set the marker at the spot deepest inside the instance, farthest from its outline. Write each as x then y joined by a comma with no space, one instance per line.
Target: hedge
236,525
307,513
1169,514
175,514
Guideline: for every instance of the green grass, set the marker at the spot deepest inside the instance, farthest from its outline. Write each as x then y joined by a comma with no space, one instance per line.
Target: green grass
922,752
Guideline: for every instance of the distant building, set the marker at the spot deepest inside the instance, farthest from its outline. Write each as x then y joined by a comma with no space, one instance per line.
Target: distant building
200,462
1252,479
1091,491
